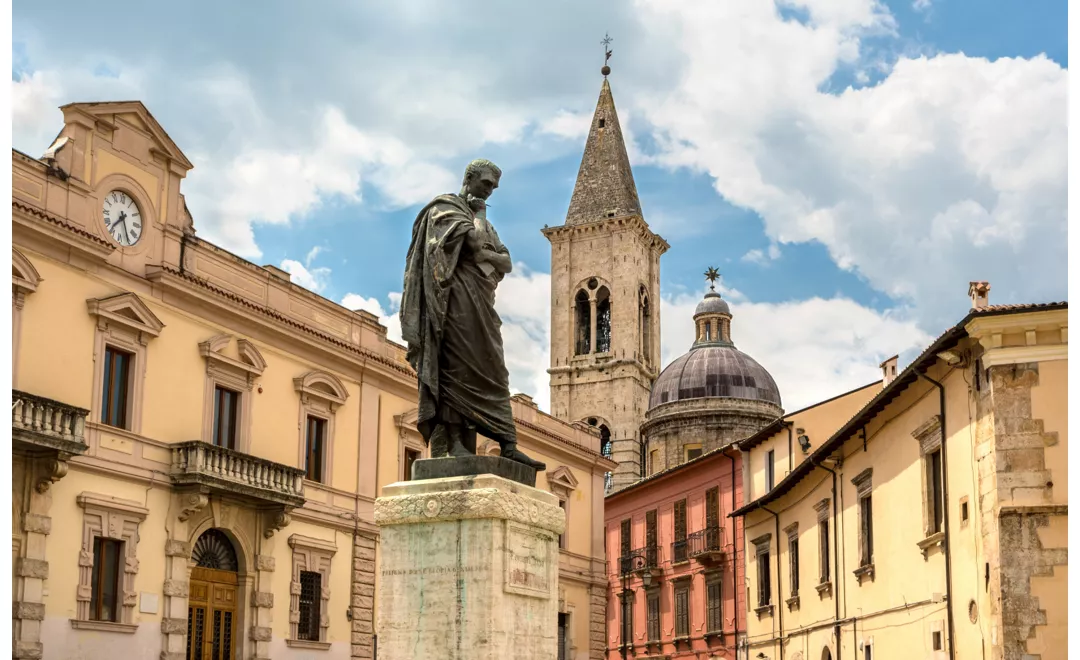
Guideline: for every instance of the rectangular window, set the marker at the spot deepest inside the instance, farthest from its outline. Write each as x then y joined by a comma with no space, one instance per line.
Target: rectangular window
105,580
937,643
823,550
226,414
692,451
654,461
714,599
653,615
868,652
866,531
316,448
682,611
115,388
678,548
310,603
763,579
411,456
933,482
652,557
793,560
770,465
624,546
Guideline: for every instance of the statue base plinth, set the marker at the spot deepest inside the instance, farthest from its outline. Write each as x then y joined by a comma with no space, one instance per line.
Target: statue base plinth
467,466
469,570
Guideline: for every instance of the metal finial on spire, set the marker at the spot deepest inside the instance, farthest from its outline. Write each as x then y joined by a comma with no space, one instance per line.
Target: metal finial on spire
712,275
607,55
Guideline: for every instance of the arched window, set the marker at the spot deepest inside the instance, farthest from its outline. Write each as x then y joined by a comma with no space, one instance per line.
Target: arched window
605,451
214,550
646,327
582,324
603,320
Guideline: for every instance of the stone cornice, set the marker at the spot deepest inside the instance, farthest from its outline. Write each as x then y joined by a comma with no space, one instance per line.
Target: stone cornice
53,227
185,283
633,223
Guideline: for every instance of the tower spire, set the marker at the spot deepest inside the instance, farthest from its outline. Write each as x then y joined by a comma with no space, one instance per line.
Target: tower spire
605,184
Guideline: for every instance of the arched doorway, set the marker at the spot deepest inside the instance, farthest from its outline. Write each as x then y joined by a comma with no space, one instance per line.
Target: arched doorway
212,600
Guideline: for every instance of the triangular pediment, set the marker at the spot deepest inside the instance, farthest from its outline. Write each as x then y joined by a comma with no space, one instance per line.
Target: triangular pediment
407,419
127,310
134,114
563,478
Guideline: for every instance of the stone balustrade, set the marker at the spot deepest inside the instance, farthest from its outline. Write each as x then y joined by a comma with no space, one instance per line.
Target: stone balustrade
197,462
44,423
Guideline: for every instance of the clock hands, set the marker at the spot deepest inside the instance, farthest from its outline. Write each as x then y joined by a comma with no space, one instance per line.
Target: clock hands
123,219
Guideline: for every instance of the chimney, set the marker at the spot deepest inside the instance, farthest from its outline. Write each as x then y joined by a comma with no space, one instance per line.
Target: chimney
283,274
980,294
888,370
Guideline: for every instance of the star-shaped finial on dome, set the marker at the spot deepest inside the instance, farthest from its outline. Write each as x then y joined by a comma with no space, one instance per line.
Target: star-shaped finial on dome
712,275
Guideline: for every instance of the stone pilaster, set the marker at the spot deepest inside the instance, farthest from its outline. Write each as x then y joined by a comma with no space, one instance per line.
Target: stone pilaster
32,565
363,596
174,601
262,604
597,621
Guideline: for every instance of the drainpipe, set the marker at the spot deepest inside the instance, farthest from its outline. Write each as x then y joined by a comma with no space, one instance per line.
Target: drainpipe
734,522
945,507
836,557
779,583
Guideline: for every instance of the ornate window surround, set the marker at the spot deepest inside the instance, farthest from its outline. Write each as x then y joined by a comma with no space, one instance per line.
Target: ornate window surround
321,394
864,486
310,554
124,322
114,518
24,281
929,435
824,587
237,375
561,484
409,438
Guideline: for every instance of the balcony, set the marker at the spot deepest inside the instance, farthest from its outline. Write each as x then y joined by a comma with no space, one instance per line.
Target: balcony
642,559
196,463
40,425
678,552
707,545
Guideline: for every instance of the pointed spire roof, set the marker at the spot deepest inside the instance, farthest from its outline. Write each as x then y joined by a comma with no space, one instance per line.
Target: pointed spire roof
605,184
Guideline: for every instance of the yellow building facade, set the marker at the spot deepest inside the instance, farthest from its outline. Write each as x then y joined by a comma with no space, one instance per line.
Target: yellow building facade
932,522
198,442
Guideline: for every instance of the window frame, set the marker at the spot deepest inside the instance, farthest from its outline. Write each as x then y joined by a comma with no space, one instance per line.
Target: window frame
310,555
99,578
236,374
626,618
792,532
309,630
763,556
109,363
652,616
714,603
115,519
863,483
322,395
824,525
692,446
929,436
320,426
680,606
770,470
679,531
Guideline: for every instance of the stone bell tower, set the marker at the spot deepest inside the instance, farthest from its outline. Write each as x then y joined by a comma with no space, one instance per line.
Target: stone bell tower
605,299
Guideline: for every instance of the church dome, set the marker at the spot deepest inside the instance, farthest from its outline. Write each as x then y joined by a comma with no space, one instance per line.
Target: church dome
714,371
713,304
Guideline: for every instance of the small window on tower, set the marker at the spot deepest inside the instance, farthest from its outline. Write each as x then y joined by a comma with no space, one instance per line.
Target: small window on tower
601,122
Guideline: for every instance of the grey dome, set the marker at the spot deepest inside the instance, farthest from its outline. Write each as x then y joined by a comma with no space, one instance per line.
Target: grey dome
714,371
713,304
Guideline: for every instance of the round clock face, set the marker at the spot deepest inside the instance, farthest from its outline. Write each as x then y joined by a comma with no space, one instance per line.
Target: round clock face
122,218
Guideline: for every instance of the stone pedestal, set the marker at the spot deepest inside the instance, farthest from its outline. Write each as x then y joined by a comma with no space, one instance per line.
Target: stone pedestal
469,570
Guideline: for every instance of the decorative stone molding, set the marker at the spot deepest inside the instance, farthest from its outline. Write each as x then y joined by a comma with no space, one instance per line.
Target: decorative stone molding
24,281
114,518
191,504
409,438
561,482
310,554
321,394
125,323
362,605
238,375
277,521
464,505
213,468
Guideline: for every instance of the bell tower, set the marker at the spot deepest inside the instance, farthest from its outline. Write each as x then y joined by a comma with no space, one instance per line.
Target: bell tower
605,299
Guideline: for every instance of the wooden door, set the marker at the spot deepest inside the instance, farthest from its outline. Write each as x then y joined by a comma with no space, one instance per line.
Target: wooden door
212,607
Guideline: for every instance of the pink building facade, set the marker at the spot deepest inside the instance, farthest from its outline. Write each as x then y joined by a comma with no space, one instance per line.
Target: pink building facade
674,564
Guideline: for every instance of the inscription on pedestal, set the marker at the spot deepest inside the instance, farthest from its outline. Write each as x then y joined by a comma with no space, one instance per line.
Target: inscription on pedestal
527,561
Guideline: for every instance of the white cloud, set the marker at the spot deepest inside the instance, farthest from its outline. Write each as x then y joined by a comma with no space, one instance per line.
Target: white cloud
568,125
950,169
814,349
314,252
762,257
355,301
312,279
922,5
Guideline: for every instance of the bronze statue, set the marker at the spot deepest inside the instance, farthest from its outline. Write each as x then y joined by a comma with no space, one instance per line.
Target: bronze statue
449,322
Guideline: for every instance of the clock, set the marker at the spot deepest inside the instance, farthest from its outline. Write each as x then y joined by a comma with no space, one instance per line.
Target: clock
122,218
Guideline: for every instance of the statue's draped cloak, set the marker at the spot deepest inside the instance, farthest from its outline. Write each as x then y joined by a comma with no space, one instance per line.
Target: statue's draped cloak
450,325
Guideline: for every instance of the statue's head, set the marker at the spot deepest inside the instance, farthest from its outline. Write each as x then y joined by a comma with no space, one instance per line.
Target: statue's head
481,178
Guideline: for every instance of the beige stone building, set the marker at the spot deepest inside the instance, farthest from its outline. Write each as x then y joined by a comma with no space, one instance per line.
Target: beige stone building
931,523
198,442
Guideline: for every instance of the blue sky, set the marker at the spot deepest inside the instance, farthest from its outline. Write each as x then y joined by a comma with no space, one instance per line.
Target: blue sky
848,168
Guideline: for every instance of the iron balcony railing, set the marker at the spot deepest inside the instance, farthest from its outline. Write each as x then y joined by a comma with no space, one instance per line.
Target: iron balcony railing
706,541
640,559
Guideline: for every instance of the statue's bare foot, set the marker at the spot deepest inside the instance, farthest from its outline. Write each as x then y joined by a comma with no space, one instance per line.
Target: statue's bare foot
511,452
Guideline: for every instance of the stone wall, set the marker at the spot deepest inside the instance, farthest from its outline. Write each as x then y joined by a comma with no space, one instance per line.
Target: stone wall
713,422
363,596
1017,510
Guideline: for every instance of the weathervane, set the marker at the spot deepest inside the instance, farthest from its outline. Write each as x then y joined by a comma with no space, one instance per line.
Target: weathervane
712,275
607,55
